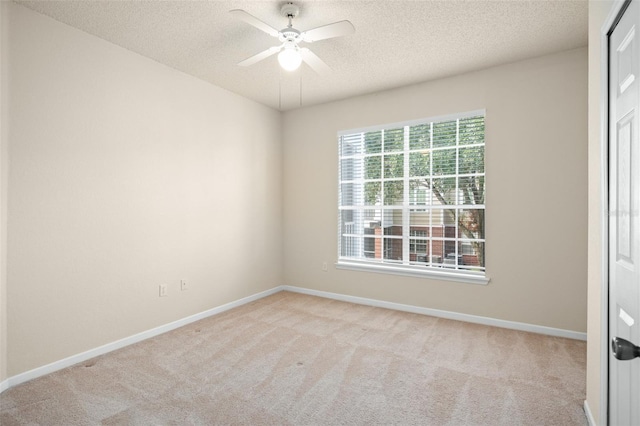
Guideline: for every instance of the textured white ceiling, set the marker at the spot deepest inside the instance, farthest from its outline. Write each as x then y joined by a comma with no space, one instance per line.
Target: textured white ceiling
396,42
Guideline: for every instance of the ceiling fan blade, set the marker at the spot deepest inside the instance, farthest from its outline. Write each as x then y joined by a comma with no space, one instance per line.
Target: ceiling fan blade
337,29
314,62
260,56
252,20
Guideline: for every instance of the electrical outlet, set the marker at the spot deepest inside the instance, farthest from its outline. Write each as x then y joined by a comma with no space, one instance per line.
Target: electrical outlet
183,285
163,290
324,266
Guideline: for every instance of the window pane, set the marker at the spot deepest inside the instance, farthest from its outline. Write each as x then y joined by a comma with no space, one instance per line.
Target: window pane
392,222
346,221
444,134
371,218
373,142
437,254
418,244
472,130
418,250
393,193
420,220
350,168
443,191
392,249
445,250
419,164
370,244
350,144
372,193
347,194
437,217
452,260
349,246
471,160
443,217
474,259
393,229
393,140
471,189
444,162
471,223
418,192
449,220
373,167
394,166
420,136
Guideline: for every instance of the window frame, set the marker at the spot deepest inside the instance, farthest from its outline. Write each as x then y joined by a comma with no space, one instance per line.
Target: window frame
404,266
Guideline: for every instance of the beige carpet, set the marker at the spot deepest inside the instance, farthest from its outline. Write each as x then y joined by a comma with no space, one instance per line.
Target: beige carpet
296,359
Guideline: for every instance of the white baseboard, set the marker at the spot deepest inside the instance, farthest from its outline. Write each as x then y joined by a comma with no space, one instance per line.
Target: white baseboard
587,412
109,347
557,332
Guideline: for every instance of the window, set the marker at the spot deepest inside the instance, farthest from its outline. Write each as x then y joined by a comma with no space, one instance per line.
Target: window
411,198
418,246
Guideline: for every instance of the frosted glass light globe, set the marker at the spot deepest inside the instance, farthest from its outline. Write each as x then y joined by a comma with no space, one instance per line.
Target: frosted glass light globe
289,58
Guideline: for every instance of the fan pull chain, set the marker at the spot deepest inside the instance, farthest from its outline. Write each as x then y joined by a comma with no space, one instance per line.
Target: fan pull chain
300,71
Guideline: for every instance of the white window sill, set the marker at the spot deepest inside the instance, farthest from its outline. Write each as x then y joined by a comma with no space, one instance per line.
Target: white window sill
413,271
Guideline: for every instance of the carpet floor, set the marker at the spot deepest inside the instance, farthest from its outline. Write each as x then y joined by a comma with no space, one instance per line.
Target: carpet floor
297,359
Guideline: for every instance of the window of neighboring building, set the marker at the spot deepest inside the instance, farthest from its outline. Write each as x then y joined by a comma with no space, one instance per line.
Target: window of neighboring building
412,197
418,246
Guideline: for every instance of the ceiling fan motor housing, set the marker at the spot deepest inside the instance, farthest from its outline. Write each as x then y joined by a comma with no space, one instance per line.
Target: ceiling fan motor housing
289,34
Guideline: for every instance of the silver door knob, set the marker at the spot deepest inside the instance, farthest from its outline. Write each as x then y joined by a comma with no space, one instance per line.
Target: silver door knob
624,350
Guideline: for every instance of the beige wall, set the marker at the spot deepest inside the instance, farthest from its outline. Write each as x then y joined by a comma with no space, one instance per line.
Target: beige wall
126,174
3,191
536,161
598,12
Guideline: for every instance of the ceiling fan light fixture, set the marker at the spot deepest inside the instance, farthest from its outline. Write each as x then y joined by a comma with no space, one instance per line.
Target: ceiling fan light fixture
289,58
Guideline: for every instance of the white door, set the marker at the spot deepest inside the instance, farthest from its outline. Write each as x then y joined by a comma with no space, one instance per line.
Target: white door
624,226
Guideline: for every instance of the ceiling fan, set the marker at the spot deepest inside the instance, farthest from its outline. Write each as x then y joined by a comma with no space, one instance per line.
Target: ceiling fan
290,54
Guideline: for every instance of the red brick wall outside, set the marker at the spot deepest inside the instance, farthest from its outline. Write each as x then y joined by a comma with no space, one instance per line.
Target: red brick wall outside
470,259
378,243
